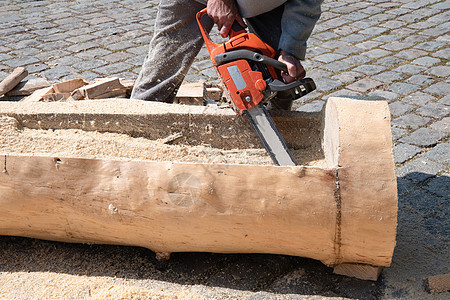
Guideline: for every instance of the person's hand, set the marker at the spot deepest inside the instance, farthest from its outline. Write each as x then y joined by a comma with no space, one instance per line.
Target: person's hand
224,13
295,68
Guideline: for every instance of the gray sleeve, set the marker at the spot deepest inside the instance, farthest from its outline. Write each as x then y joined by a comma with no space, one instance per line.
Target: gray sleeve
297,23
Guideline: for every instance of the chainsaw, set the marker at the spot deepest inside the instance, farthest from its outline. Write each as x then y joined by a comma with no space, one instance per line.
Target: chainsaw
249,71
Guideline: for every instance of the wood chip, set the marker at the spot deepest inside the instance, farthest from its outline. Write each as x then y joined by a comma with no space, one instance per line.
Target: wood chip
190,93
438,284
26,88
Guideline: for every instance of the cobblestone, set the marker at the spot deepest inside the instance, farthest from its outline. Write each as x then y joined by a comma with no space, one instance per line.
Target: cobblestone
424,137
434,110
440,154
440,186
410,121
422,80
364,85
442,126
403,88
399,108
419,98
440,89
389,76
440,71
420,169
404,152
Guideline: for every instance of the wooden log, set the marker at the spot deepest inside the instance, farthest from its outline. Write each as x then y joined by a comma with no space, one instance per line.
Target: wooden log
335,214
12,80
357,138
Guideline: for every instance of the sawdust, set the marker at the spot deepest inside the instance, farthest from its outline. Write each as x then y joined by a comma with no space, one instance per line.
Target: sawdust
49,285
91,144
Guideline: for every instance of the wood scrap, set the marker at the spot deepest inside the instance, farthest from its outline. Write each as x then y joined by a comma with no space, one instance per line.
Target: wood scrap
108,88
26,88
173,137
68,86
52,97
190,93
39,94
361,271
213,93
438,284
128,84
12,80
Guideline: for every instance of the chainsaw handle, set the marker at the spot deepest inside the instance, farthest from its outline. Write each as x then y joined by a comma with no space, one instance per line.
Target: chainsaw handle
210,45
236,29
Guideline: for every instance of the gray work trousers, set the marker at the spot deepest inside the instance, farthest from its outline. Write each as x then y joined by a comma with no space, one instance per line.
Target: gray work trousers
176,42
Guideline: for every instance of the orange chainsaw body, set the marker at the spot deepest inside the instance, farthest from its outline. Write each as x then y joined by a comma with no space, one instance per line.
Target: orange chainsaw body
245,87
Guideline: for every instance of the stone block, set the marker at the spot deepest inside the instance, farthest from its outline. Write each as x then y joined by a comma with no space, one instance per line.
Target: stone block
369,69
399,108
410,121
403,88
426,61
440,186
315,106
440,88
404,152
445,100
419,99
389,76
440,71
420,170
422,80
364,85
410,69
440,153
327,84
398,133
424,137
389,96
434,110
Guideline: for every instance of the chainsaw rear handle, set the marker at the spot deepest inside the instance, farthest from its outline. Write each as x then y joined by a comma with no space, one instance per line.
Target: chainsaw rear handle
236,29
210,45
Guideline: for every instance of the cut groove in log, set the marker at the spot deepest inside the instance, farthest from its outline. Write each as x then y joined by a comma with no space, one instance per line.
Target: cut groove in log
340,212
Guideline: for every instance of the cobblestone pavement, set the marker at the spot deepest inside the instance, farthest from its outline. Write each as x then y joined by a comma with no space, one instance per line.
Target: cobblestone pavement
397,50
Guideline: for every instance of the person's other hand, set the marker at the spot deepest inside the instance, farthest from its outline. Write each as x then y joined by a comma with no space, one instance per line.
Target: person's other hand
295,68
224,13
